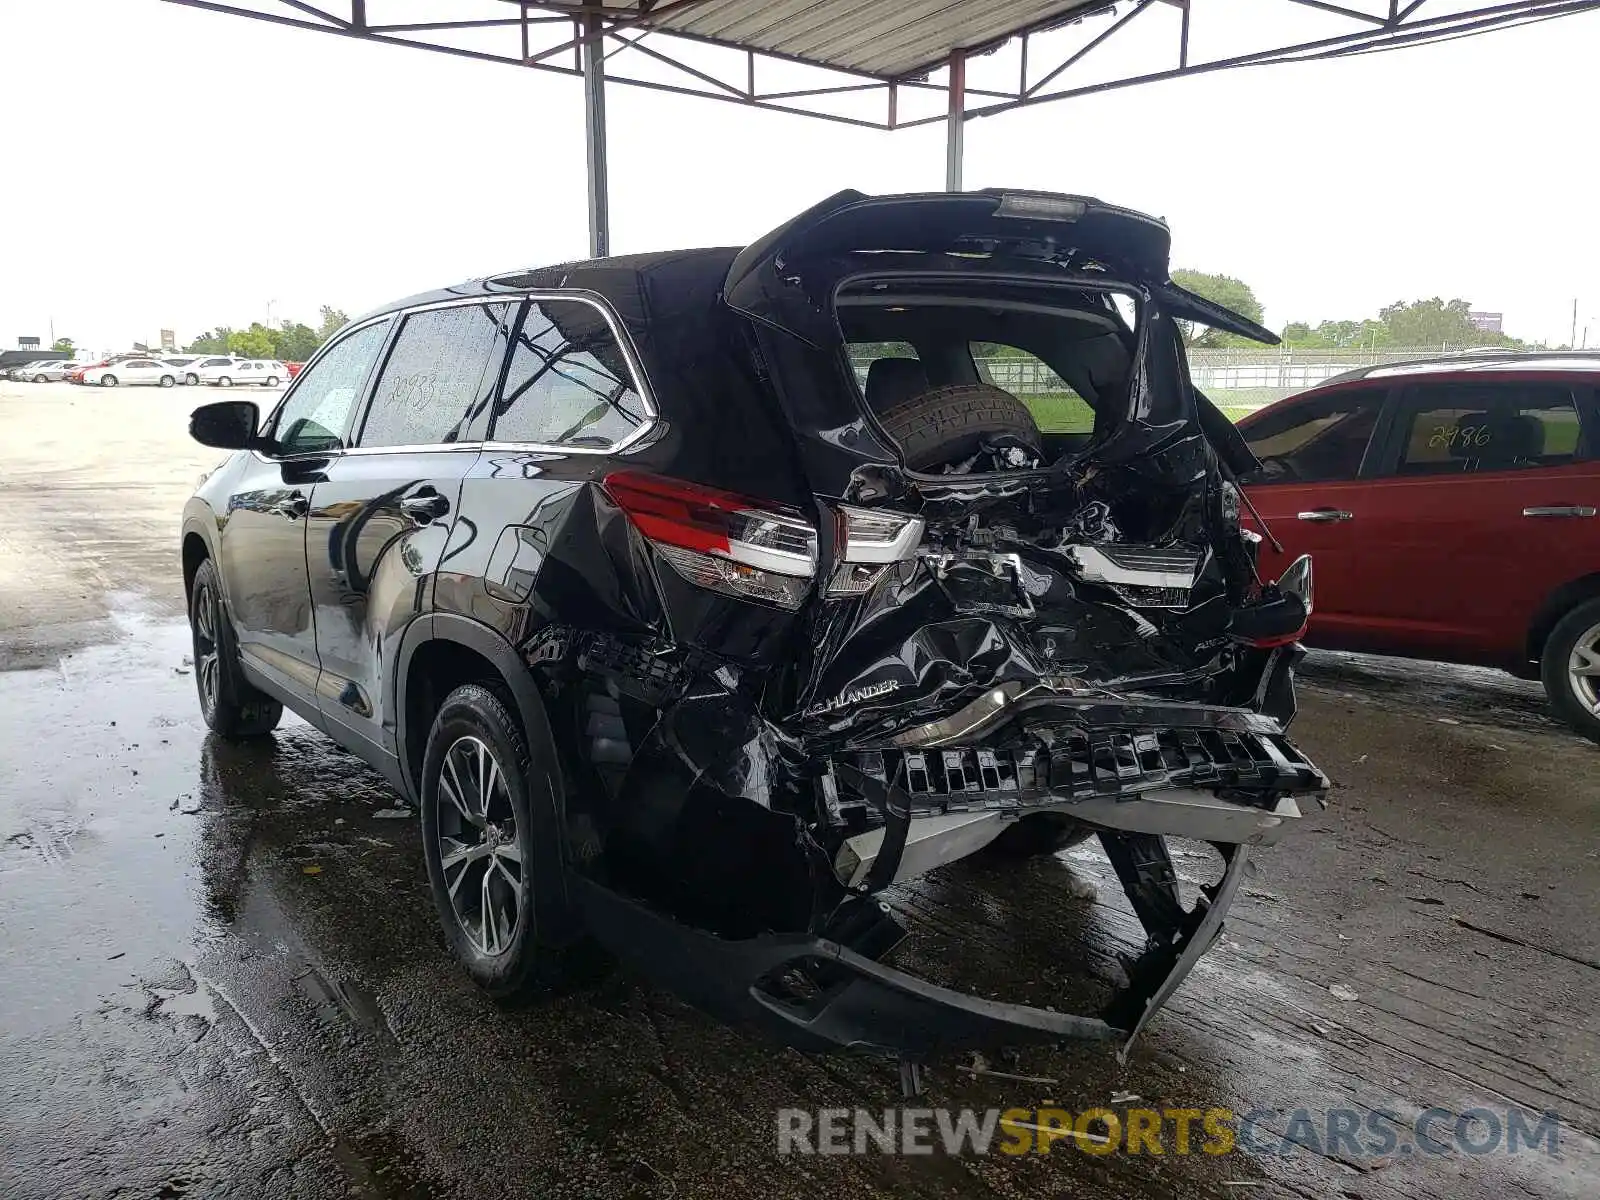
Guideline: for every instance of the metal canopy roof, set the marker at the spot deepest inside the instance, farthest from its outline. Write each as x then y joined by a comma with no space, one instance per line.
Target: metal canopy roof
869,63
887,39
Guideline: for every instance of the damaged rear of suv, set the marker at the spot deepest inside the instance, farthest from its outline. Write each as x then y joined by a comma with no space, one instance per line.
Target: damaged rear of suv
790,602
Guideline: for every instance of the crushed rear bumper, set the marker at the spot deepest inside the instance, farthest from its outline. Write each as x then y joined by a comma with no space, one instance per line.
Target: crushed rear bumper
867,1007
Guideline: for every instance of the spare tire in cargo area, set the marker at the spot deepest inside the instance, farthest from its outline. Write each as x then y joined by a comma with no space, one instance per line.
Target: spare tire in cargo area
948,425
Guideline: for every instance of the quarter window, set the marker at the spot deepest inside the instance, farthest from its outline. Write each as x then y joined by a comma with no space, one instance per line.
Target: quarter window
1318,440
316,413
436,376
568,383
1488,427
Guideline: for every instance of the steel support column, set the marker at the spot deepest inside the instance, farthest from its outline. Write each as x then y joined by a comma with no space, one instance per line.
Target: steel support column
594,128
955,121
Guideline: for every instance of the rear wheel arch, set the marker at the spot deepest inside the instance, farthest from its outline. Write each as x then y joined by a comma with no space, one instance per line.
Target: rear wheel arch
438,654
1556,605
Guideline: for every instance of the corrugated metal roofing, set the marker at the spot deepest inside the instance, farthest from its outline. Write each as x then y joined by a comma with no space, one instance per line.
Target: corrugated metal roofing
886,38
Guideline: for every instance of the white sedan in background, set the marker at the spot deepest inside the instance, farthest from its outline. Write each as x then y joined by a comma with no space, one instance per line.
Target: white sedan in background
182,364
267,372
134,371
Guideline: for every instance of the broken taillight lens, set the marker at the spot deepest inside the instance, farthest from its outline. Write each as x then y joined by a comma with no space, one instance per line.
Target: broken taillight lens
871,540
1285,613
719,540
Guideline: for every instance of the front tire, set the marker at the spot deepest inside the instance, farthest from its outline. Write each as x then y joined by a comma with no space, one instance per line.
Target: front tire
108,381
39,379
484,803
1570,668
191,379
230,706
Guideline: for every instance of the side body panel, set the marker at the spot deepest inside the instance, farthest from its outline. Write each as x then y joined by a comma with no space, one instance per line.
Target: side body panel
261,555
1345,560
375,536
1452,566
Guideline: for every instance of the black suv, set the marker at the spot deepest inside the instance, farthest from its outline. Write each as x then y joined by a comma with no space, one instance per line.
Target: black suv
698,597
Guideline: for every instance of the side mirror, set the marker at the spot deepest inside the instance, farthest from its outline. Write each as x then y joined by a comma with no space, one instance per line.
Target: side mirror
227,424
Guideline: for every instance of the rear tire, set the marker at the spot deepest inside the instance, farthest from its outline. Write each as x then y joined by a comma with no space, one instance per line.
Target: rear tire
230,706
191,379
168,381
949,424
480,789
272,381
1570,668
224,381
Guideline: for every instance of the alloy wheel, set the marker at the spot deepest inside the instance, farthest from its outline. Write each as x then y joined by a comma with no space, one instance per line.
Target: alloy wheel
206,654
1583,669
479,851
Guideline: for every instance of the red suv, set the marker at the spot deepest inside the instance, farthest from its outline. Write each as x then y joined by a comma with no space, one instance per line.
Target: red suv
1452,508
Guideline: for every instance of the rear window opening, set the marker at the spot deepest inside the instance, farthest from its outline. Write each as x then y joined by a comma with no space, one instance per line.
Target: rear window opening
1064,353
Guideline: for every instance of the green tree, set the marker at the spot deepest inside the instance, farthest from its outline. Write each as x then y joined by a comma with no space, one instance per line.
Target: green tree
295,342
63,346
1231,293
1429,322
255,342
333,320
214,341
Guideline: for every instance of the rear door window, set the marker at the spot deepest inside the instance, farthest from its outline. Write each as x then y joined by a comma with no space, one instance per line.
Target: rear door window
1448,429
435,378
1056,407
1316,440
569,382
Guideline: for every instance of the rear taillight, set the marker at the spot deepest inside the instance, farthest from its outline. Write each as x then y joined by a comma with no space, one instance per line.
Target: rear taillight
721,541
1284,613
871,540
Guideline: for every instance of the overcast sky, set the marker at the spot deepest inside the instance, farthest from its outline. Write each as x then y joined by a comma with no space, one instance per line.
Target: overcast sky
166,166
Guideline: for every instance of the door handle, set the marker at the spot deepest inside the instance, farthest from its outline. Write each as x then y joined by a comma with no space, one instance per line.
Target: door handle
1560,510
294,506
425,507
1325,515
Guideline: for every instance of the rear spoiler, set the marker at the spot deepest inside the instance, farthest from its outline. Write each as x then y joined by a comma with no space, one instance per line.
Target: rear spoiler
1044,232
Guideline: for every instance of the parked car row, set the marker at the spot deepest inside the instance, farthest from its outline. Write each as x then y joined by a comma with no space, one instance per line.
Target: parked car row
49,370
218,370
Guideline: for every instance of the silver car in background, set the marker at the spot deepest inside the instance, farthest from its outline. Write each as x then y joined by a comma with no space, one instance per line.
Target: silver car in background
50,372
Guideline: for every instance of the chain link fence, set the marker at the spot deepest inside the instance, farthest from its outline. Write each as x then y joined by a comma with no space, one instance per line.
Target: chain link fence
1238,380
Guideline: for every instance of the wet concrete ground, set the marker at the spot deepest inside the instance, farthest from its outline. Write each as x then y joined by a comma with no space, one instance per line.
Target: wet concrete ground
220,973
